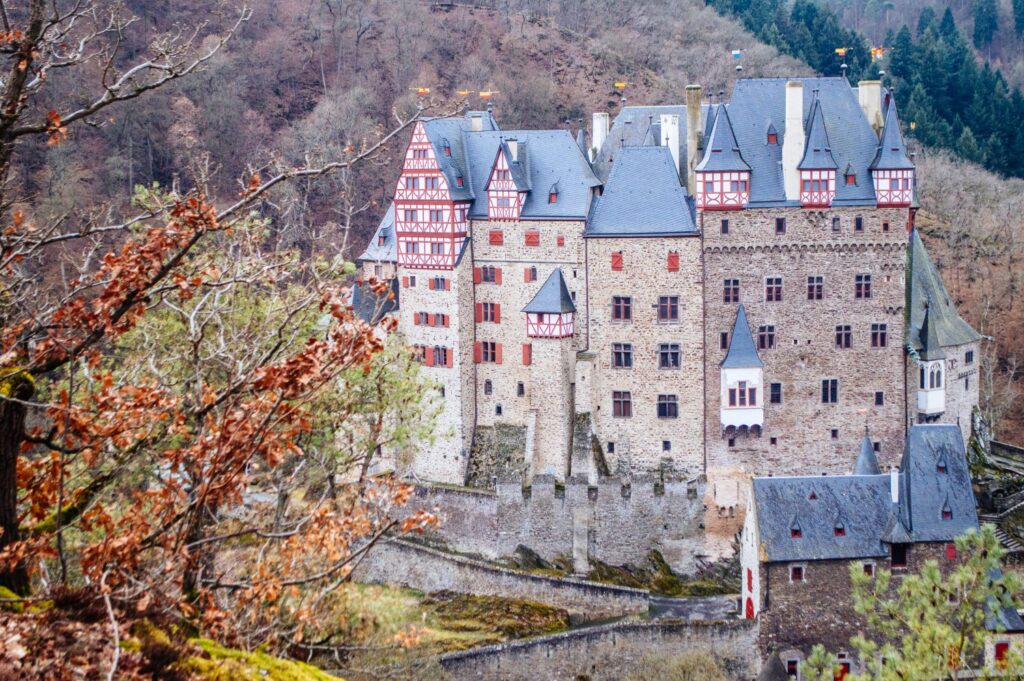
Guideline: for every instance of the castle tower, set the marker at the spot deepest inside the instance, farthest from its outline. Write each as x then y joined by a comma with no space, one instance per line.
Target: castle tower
742,375
550,357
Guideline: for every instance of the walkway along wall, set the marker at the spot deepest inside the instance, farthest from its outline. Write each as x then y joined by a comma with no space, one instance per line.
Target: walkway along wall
616,520
419,567
609,651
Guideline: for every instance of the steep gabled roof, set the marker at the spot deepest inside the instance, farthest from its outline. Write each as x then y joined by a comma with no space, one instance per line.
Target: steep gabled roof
867,462
553,297
721,152
388,252
636,126
925,291
817,148
892,152
742,352
643,197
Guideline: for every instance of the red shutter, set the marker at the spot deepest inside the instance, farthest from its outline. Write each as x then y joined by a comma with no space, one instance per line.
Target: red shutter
431,319
560,240
477,278
416,318
526,275
430,357
447,284
497,313
405,282
477,352
673,261
497,275
950,551
479,312
617,261
527,354
430,283
444,319
532,238
497,353
496,237
449,352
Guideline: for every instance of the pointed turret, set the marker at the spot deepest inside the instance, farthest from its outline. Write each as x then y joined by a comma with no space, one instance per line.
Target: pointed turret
722,151
550,313
867,462
892,152
817,150
581,140
742,353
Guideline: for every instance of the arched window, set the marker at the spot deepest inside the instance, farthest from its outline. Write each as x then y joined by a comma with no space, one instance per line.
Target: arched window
488,387
935,377
749,610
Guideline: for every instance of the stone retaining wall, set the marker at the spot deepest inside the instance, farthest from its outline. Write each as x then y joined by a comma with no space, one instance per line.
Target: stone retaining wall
608,652
419,567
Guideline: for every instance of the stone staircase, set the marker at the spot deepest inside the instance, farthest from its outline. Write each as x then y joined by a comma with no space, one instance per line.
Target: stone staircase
1012,545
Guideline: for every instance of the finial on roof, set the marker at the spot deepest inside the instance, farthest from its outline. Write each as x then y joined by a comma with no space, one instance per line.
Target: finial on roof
867,462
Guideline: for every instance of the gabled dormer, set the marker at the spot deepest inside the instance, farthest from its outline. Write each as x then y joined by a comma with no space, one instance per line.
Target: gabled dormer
550,313
508,182
817,167
723,177
742,379
892,171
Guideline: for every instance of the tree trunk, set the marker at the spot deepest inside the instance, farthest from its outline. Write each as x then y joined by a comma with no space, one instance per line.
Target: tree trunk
12,432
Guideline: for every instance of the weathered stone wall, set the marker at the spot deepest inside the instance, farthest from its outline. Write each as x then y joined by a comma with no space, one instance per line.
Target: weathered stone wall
381,269
498,451
426,569
618,523
797,438
796,616
639,439
608,652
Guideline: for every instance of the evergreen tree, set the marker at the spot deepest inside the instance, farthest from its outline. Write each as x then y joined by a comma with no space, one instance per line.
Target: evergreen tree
1018,16
926,19
986,22
947,27
901,59
967,146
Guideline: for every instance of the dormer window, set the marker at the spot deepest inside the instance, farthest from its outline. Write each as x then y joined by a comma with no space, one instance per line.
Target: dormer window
947,513
552,197
773,138
795,533
839,530
459,181
851,178
381,240
940,466
447,149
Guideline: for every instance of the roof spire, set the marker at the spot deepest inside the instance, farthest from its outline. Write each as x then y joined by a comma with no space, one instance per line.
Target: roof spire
742,352
867,462
553,297
892,152
722,152
818,150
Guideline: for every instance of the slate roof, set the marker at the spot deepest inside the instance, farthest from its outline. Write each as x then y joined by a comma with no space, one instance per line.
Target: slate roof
773,670
864,504
636,126
758,102
643,197
453,131
742,352
926,289
721,153
389,251
370,306
553,296
867,462
892,152
817,148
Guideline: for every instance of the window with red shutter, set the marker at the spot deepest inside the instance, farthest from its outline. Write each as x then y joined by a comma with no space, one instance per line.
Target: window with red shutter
673,261
527,354
950,551
448,353
477,352
405,282
497,275
560,240
430,284
497,313
497,353
497,237
532,238
447,284
479,312
477,277
617,261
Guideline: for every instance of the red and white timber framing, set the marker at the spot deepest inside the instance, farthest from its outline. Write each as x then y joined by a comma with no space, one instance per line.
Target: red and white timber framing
723,191
430,226
817,188
504,200
893,187
549,324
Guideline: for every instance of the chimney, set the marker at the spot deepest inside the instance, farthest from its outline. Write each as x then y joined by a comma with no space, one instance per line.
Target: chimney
670,136
513,148
894,484
599,133
476,122
693,136
869,95
793,144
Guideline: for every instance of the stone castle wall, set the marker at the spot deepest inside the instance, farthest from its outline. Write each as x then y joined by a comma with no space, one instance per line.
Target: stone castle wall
426,569
610,651
613,522
639,440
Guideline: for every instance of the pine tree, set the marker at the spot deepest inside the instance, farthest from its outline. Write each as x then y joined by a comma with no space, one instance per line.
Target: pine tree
986,22
967,146
902,62
925,20
1018,16
947,27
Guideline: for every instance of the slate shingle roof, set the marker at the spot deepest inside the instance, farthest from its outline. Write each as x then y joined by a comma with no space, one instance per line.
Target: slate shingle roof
864,503
370,306
721,153
742,352
892,152
867,462
636,126
642,197
389,251
925,289
553,296
817,148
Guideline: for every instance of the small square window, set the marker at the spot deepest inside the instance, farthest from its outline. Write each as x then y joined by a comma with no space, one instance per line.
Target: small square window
775,394
835,433
723,340
796,573
611,447
732,442
497,410
725,226
774,441
877,446
666,445
792,668
869,569
885,226
836,224
780,225
858,224
520,389
879,398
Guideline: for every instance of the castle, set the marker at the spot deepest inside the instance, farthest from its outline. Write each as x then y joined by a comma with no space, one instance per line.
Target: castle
705,289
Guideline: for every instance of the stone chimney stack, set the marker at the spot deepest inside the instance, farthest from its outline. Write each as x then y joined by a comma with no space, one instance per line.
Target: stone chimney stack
513,147
599,133
894,484
670,136
869,95
476,122
793,144
694,133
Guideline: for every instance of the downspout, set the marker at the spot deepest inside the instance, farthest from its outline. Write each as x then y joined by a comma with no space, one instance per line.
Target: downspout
472,264
704,324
